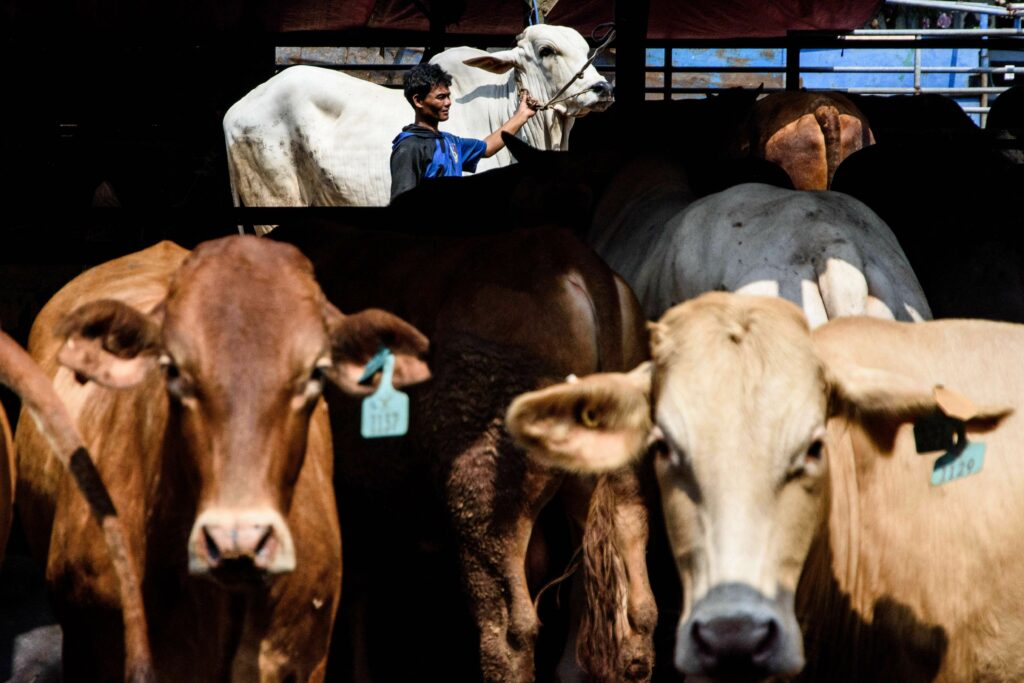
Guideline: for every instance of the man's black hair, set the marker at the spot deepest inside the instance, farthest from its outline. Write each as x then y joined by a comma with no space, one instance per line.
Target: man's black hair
423,78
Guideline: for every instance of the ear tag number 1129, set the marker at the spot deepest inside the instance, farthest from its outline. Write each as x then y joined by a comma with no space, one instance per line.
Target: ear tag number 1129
385,411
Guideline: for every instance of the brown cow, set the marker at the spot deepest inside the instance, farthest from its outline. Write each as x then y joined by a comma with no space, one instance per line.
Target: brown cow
787,455
6,480
806,133
41,404
505,314
195,380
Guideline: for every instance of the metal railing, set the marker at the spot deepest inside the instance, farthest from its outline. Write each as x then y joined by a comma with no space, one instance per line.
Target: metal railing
787,64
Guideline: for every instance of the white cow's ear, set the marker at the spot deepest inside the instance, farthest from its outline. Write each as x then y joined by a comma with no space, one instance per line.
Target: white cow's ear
355,339
110,343
496,62
594,424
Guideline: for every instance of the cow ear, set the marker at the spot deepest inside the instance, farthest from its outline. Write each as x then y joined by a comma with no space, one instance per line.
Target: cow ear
595,424
876,393
110,343
496,62
355,339
522,151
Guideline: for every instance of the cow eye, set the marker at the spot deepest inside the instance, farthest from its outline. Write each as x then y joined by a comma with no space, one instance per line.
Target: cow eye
314,384
317,377
547,52
808,463
178,385
814,450
669,453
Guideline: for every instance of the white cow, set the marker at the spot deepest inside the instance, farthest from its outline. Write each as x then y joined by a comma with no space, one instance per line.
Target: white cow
824,251
316,137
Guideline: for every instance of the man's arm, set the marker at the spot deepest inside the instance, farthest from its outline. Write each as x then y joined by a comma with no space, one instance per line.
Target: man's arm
527,110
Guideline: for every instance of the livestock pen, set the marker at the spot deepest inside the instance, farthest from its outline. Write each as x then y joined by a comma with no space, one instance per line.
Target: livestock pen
115,142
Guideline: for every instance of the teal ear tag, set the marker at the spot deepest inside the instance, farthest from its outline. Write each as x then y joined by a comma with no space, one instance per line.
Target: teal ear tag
385,411
957,465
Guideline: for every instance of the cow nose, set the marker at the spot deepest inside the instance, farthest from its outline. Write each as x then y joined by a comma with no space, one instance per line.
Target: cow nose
735,632
255,542
239,542
603,89
735,640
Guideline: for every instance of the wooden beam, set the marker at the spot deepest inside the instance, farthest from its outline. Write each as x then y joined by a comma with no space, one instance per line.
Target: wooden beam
630,59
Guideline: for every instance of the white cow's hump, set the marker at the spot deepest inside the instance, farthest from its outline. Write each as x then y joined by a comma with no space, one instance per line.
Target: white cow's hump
300,86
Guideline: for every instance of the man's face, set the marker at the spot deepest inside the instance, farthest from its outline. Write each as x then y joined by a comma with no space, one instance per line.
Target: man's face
436,104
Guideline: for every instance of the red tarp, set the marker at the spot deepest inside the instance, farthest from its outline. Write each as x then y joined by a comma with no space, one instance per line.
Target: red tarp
668,18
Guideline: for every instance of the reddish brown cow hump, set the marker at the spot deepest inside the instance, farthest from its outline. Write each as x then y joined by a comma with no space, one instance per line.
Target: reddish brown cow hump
827,117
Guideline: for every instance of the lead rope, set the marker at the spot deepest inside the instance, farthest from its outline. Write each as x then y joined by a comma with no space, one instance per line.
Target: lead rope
608,38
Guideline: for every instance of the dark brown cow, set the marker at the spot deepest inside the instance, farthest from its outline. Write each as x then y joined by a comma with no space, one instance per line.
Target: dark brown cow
806,133
503,313
926,119
195,380
1005,123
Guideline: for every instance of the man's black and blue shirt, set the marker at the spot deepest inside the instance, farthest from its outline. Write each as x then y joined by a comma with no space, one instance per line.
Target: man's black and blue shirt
419,152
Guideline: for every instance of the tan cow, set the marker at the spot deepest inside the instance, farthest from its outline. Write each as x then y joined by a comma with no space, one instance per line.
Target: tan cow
806,133
784,455
195,380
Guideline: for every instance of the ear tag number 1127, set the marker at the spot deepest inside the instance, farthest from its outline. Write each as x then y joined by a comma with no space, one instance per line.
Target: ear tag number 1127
385,411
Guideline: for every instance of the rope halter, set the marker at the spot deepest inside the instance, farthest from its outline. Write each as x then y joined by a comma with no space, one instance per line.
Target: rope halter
609,36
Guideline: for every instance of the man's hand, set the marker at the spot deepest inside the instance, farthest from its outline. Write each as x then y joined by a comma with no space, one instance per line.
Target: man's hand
528,106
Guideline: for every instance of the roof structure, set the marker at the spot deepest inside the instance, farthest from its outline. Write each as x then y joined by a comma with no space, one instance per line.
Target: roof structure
667,19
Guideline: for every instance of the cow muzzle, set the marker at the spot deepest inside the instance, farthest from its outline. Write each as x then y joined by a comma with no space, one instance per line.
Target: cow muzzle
600,96
240,545
736,633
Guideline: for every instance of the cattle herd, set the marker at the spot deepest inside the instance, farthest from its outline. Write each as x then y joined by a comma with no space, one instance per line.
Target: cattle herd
671,404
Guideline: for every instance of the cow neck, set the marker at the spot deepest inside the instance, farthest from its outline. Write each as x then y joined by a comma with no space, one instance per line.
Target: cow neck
547,130
833,566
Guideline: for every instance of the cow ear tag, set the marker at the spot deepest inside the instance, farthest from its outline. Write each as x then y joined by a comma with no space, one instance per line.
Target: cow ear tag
964,460
962,457
385,411
934,432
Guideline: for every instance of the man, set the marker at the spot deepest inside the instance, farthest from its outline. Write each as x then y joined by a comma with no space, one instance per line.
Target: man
422,151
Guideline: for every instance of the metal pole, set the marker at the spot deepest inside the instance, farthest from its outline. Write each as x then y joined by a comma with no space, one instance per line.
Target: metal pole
953,6
917,70
667,74
630,52
792,63
897,34
983,62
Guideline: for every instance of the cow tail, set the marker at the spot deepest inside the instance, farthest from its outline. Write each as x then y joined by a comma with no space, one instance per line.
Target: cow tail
604,580
19,372
827,117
